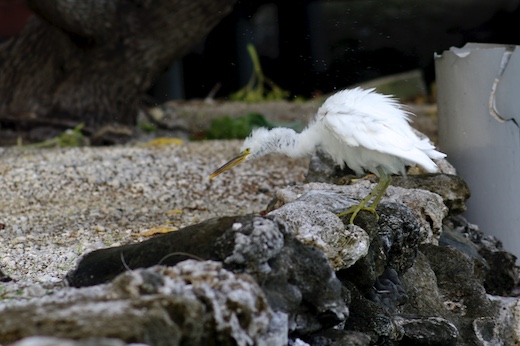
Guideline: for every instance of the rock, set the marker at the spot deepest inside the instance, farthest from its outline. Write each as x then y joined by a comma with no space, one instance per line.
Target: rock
456,279
298,275
454,292
195,241
334,337
508,318
400,235
388,291
503,273
303,285
444,283
423,296
193,302
456,240
259,246
360,253
53,341
323,169
497,266
393,243
427,331
396,235
427,207
453,189
313,224
288,288
372,319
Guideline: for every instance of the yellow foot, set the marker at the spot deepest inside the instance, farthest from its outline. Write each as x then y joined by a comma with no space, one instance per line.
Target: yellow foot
355,209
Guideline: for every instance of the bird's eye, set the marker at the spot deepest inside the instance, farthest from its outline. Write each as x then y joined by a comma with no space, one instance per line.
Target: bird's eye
247,151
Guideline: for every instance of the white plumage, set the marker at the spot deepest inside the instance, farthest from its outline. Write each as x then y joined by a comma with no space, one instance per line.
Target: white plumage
367,131
363,129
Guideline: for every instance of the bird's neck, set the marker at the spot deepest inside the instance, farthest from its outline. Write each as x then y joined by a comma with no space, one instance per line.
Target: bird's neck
295,144
308,140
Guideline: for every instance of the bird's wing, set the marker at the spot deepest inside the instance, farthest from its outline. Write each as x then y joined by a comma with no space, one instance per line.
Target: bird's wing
391,135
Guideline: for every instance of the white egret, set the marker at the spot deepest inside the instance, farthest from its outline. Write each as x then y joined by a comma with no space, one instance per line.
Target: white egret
363,129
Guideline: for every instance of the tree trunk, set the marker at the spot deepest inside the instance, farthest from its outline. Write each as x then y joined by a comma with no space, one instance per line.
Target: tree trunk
91,61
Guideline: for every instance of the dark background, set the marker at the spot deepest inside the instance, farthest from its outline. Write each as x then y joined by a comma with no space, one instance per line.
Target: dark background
314,47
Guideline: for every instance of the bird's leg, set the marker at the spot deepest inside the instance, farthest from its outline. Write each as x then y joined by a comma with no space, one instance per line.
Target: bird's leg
378,192
355,209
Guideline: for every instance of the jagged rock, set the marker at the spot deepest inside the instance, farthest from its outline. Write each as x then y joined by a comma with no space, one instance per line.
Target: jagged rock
287,287
260,246
452,188
197,303
399,232
415,276
420,284
366,251
427,207
393,245
388,291
503,273
334,337
508,318
443,283
194,241
458,241
427,331
457,281
54,341
312,220
323,169
313,224
393,240
372,319
498,266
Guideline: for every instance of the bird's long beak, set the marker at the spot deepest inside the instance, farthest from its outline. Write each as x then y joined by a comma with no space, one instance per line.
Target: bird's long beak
231,163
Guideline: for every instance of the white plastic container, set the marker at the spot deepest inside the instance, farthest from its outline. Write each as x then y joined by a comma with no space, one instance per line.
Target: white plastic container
478,97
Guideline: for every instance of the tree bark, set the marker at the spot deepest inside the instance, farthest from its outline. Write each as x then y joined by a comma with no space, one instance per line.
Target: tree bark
91,61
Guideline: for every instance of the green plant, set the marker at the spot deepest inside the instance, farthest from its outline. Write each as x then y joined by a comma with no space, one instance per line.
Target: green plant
69,138
227,127
259,87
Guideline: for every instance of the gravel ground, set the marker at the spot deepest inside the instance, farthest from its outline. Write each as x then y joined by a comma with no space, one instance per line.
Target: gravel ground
57,204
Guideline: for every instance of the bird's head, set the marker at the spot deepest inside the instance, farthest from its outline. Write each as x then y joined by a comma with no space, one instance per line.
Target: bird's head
257,144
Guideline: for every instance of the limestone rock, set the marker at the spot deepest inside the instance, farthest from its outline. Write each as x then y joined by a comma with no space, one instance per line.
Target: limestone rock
299,275
453,190
388,291
313,224
193,302
335,337
54,341
372,319
443,283
427,207
259,246
498,267
428,331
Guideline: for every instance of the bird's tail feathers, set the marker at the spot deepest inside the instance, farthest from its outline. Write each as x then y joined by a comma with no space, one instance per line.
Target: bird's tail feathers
426,160
429,149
